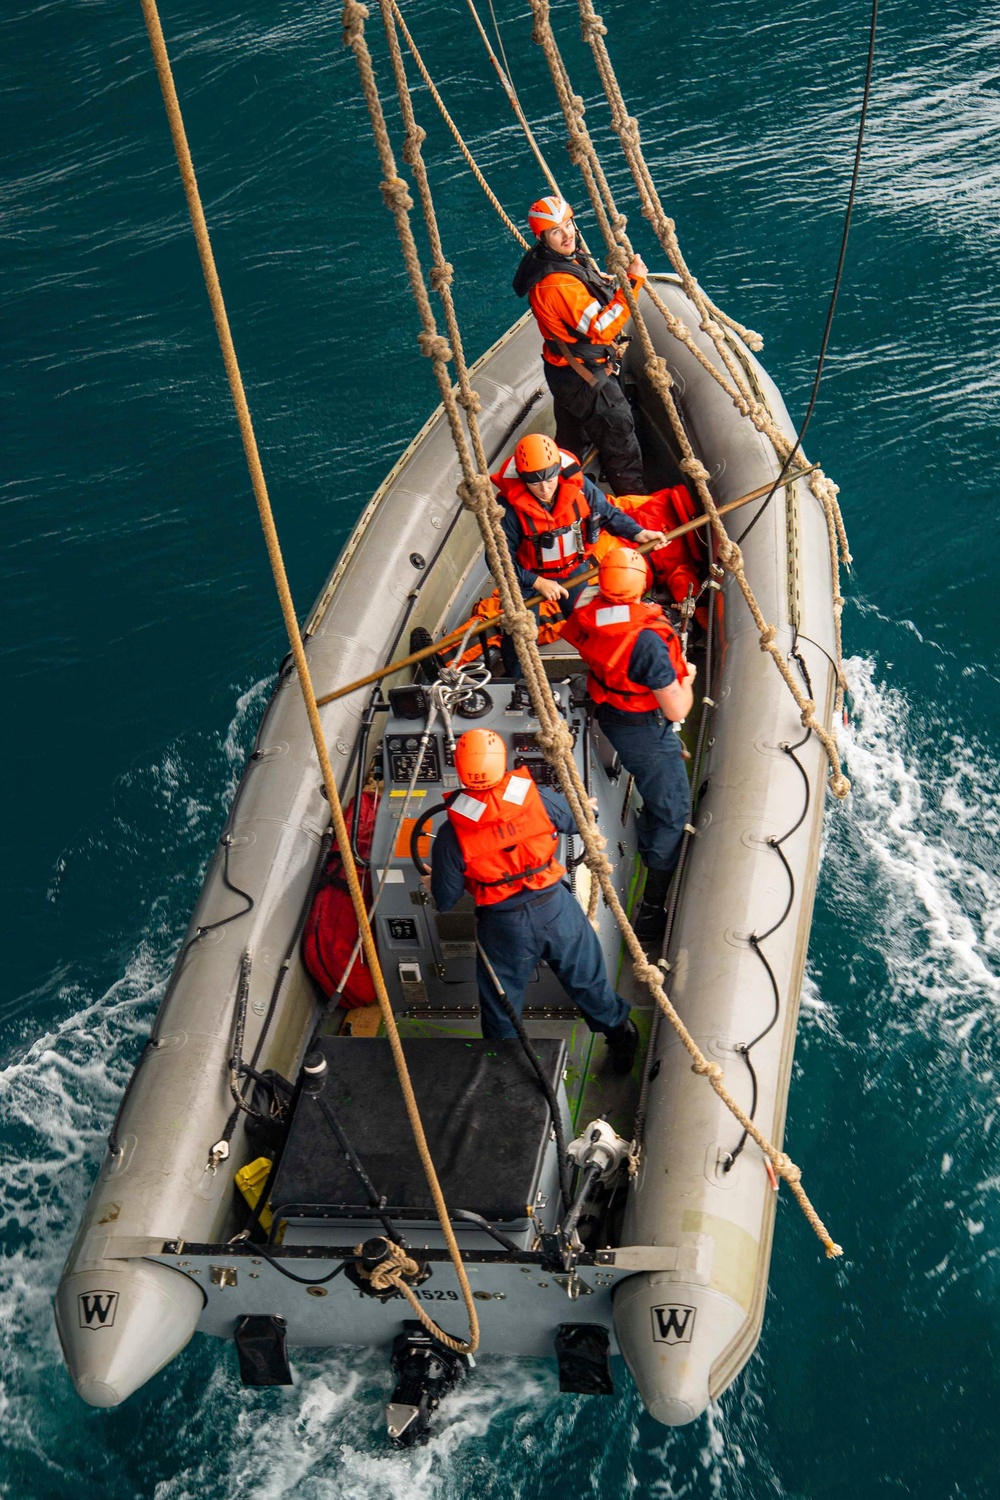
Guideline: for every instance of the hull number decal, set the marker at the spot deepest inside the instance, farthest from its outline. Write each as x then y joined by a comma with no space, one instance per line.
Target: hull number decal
97,1309
673,1325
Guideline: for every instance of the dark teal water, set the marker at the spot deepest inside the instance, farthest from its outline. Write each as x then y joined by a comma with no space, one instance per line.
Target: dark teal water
141,636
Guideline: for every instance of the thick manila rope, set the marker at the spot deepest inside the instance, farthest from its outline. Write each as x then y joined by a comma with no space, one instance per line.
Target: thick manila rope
476,492
626,127
220,316
612,225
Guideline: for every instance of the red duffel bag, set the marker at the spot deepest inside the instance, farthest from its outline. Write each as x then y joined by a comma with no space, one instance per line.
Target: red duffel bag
331,929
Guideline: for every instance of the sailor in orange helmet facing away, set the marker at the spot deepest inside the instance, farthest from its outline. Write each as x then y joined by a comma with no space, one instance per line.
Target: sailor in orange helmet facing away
499,844
580,314
640,682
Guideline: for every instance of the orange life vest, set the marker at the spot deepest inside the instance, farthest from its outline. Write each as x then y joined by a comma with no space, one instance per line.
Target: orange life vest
681,563
553,543
604,634
507,839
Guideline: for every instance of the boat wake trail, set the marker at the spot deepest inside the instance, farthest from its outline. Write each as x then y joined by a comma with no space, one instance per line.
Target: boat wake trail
921,837
59,1090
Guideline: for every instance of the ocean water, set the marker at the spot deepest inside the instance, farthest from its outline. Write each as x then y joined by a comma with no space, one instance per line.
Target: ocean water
142,635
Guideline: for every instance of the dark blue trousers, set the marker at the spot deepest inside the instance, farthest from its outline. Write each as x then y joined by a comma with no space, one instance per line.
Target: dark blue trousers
651,752
551,926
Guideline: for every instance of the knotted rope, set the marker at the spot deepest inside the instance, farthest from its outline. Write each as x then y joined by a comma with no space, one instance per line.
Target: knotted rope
477,493
207,258
613,225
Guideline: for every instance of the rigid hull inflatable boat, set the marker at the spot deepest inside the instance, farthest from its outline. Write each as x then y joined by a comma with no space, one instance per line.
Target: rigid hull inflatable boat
671,1259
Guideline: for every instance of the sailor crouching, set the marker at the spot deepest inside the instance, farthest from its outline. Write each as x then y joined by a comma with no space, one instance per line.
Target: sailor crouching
641,684
499,844
553,514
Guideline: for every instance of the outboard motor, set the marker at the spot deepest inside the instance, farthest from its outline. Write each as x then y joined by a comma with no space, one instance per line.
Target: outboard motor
426,1371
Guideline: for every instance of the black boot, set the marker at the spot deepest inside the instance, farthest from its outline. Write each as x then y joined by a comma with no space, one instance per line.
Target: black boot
649,921
623,1044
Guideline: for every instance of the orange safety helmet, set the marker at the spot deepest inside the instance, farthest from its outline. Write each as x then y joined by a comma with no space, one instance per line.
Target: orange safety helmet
480,759
623,576
536,457
548,213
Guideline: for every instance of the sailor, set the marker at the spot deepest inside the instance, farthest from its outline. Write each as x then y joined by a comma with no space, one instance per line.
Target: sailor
499,844
553,514
580,313
642,685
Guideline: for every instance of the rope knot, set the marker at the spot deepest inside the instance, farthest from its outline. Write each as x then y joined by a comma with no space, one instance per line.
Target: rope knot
753,340
839,785
354,18
395,191
712,328
707,1069
592,27
807,712
520,623
767,635
695,470
471,402
786,1168
658,374
442,275
595,858
390,1272
435,346
647,973
578,149
731,557
415,137
476,493
555,741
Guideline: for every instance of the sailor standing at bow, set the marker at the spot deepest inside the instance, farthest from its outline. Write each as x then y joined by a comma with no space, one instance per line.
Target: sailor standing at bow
642,686
552,516
499,844
580,313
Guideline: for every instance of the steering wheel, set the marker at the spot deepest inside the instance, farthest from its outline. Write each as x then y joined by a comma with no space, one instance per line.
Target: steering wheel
417,833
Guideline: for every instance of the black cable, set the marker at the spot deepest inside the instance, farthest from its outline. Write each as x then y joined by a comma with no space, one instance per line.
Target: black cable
756,939
836,280
273,1260
227,843
375,1201
467,1216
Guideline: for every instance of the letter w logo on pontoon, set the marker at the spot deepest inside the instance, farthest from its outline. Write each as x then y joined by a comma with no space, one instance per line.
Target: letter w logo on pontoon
97,1309
673,1325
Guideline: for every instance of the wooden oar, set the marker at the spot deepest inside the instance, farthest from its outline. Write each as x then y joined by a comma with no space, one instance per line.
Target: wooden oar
588,577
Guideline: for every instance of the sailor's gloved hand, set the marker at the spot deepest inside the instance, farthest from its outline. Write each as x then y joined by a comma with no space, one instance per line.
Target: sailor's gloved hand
549,589
650,536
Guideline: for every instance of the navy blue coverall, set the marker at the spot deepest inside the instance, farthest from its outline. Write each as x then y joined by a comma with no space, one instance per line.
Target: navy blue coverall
518,933
604,515
650,751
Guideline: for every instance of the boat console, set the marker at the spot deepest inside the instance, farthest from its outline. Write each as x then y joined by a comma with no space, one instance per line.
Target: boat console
429,957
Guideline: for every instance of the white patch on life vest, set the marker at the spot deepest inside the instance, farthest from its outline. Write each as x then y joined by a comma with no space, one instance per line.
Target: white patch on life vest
613,614
516,790
561,547
469,807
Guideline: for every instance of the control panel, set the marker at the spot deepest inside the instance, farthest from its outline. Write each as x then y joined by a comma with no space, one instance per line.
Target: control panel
401,752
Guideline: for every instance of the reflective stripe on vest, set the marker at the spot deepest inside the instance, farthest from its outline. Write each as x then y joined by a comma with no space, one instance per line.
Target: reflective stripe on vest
507,840
605,635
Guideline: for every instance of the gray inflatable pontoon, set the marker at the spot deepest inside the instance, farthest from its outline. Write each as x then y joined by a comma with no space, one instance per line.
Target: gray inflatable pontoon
671,1264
